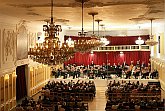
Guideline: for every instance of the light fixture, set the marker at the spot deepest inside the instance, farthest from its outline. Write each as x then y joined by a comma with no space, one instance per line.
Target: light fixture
139,41
69,41
98,21
151,41
51,51
83,44
103,38
93,15
82,33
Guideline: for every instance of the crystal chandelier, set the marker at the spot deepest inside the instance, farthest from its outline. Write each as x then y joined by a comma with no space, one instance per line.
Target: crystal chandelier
139,41
82,44
103,40
151,41
51,51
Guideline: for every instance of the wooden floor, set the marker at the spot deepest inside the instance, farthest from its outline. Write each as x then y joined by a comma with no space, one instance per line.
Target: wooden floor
99,102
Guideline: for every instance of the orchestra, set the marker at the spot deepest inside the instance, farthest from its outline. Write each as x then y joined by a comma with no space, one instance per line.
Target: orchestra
132,71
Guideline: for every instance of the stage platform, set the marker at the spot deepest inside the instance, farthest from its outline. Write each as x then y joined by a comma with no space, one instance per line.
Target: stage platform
104,82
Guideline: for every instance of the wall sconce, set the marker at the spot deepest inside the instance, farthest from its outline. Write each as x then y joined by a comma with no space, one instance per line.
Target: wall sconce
6,77
121,52
31,69
14,74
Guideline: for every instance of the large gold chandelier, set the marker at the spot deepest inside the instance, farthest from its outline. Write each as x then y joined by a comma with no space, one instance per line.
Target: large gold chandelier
51,51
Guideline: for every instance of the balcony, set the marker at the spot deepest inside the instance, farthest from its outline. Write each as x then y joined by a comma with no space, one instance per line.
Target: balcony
123,48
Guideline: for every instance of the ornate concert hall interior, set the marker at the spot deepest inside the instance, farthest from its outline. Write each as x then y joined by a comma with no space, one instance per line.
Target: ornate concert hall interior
82,55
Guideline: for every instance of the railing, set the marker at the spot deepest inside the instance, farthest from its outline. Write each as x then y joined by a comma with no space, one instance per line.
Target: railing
124,48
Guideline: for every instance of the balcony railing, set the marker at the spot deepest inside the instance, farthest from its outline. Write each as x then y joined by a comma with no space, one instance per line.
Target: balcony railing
123,48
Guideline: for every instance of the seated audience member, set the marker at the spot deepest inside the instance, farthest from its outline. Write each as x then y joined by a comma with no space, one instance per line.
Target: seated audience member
19,108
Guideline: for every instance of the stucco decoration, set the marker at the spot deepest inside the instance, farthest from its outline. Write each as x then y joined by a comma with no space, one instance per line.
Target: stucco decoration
22,42
8,45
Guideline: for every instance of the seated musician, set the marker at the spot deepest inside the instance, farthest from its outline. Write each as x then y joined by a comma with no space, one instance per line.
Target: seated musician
118,70
154,74
81,72
124,66
136,72
114,66
145,72
92,64
91,74
108,66
129,71
128,74
138,63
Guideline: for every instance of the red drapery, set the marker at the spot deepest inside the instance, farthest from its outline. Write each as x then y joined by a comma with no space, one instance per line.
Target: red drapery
110,57
127,40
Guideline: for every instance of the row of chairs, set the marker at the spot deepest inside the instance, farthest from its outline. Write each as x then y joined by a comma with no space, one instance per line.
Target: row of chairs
51,106
134,95
83,96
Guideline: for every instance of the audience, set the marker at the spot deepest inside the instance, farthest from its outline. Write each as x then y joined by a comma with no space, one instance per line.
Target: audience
133,96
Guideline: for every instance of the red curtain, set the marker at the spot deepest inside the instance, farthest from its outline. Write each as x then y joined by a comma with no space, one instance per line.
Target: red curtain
110,57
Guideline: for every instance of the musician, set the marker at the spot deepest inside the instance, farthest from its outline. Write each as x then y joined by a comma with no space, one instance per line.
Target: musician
136,72
114,65
91,75
143,65
104,66
108,66
154,74
138,63
124,66
129,71
82,72
145,72
119,70
92,64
